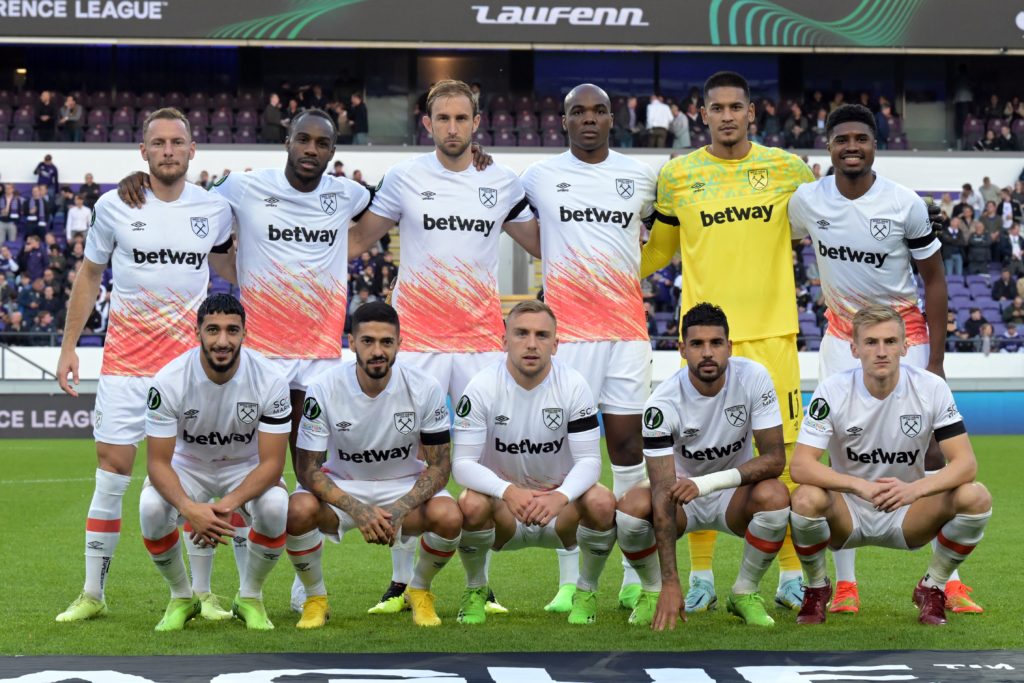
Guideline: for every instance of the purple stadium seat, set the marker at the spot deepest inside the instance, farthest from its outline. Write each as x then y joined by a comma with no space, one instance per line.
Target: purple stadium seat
174,99
3,133
485,121
502,121
820,142
529,138
1017,128
553,138
480,136
996,125
504,138
149,100
222,118
524,103
222,100
197,118
244,136
26,98
6,98
810,328
425,140
974,130
21,134
500,103
247,117
895,124
122,135
125,116
24,116
5,116
91,340
99,98
550,121
526,121
700,138
125,98
247,100
220,136
898,142
98,117
140,118
199,135
770,141
198,100
549,104
96,134
813,344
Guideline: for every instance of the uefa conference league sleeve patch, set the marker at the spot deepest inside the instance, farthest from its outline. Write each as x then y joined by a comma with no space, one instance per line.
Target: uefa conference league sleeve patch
463,407
153,400
310,408
819,409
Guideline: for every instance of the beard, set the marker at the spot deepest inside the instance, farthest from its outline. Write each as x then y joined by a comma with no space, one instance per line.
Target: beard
221,367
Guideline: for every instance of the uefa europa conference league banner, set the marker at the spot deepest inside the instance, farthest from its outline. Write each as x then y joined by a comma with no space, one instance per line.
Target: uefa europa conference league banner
910,24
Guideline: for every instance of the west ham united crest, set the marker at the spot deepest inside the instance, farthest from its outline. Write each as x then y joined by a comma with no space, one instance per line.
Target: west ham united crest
200,226
758,178
880,228
488,197
736,415
329,203
552,418
404,422
246,412
911,425
624,186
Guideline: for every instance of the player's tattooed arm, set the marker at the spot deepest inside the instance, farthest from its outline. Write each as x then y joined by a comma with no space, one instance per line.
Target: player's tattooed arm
771,460
662,473
373,522
431,480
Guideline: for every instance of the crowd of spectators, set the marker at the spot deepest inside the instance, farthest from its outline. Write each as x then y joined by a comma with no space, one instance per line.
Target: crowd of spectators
993,125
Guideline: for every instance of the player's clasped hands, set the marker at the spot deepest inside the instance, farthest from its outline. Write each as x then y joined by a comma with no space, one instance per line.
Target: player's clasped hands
683,491
375,524
544,507
518,501
209,525
894,494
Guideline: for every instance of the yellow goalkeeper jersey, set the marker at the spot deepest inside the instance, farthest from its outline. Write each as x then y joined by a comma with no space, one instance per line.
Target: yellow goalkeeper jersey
729,220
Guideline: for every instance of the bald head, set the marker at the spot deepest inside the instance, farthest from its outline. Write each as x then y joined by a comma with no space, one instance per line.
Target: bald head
588,89
588,122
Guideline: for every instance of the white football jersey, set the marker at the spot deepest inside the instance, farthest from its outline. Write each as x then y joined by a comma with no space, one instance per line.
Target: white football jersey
372,439
710,433
863,249
525,432
218,422
870,439
450,223
160,258
293,260
590,224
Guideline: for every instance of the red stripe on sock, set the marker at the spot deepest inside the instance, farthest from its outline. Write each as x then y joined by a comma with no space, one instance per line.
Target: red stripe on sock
640,554
161,545
434,551
810,549
238,520
766,547
187,526
299,553
103,526
267,541
954,546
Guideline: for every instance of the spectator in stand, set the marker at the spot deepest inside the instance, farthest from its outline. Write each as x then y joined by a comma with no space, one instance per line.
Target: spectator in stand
820,118
31,298
1008,209
78,218
988,190
626,123
1014,313
75,254
360,119
338,170
13,333
8,266
363,296
1011,341
968,197
946,204
953,241
91,190
65,200
11,212
70,120
44,330
990,219
994,108
985,342
46,117
659,116
289,113
864,100
1005,142
368,279
987,143
754,134
1011,250
51,302
815,102
679,127
357,177
1018,192
51,280
972,326
314,98
838,100
882,124
1014,109
979,250
768,122
798,133
37,217
692,112
343,123
663,281
272,130
1005,288
46,175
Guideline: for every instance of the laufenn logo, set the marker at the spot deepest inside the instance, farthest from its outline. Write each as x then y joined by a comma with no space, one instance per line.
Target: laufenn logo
532,15
595,215
168,257
735,214
714,452
216,438
458,223
376,454
527,446
300,234
883,457
868,258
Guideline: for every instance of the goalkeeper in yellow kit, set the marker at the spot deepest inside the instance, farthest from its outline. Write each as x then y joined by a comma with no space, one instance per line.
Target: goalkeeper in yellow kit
724,208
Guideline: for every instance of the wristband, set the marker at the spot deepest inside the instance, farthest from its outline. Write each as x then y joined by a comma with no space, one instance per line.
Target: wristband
716,481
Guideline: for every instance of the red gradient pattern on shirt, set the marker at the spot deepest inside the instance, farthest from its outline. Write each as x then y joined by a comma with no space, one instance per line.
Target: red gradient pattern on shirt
147,332
449,307
842,306
595,301
295,315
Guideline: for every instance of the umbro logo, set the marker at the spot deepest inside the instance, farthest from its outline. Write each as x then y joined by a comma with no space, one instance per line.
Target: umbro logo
428,195
501,420
343,426
239,541
563,187
138,225
271,201
697,187
823,224
854,430
189,414
692,431
95,545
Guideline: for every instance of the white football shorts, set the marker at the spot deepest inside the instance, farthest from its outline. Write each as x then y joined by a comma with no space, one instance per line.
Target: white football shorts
121,409
618,372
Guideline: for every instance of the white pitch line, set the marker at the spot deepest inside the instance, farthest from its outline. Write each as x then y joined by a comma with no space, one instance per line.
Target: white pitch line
51,481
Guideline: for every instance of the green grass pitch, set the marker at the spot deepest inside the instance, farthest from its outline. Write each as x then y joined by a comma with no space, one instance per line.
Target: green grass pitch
46,486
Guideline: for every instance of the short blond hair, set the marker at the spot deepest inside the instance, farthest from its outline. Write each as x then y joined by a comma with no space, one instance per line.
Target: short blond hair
531,306
451,88
875,314
170,114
